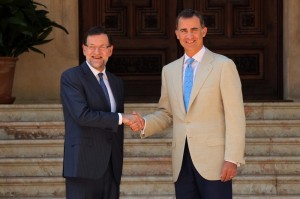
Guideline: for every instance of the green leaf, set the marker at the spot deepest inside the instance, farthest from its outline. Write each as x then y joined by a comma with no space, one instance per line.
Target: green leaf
37,50
24,24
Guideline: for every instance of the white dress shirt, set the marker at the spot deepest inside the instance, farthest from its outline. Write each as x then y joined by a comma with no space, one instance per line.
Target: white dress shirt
113,106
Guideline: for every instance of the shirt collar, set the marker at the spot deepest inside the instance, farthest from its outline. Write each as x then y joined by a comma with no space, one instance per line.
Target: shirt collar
96,72
198,56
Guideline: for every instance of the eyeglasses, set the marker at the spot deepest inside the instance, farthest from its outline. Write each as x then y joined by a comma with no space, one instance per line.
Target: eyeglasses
100,48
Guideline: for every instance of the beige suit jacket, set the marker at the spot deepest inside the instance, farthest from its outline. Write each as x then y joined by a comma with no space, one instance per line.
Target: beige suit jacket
214,125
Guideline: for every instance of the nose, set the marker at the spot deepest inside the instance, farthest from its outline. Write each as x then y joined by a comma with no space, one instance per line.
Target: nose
97,50
189,35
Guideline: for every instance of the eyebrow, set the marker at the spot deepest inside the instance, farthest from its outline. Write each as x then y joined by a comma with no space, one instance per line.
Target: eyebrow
194,28
100,45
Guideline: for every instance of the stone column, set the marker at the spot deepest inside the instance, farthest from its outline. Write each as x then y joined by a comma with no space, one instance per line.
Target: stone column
291,50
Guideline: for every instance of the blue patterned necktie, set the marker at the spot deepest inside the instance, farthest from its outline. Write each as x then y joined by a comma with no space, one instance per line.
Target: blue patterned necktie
188,83
102,84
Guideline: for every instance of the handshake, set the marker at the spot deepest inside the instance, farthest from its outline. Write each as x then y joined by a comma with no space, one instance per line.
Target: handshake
135,121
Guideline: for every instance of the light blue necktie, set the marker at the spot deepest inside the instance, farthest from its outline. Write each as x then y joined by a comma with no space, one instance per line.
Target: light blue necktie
188,83
102,84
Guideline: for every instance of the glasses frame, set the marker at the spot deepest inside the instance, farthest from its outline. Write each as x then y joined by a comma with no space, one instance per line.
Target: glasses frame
93,48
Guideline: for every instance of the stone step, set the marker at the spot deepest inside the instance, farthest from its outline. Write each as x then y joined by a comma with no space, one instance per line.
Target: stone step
31,112
273,128
172,196
285,146
31,130
48,130
31,148
145,147
268,185
53,112
55,130
54,148
267,197
234,197
268,165
272,111
34,134
147,166
52,167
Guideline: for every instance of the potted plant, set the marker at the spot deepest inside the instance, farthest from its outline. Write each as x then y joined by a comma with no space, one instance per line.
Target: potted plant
23,25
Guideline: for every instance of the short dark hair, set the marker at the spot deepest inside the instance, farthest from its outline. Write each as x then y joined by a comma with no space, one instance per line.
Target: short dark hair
96,30
189,13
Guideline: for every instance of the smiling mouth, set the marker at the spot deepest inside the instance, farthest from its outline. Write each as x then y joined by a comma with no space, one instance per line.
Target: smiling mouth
97,58
190,42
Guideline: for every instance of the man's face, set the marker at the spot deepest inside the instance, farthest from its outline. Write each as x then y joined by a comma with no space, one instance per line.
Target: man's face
97,51
190,34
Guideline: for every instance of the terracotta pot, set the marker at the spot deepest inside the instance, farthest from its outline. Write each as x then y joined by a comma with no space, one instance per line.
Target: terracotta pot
7,72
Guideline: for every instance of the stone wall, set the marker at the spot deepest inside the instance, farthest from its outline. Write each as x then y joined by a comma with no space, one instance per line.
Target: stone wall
37,78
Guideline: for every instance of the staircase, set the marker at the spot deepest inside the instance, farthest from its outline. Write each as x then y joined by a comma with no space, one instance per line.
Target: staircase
31,153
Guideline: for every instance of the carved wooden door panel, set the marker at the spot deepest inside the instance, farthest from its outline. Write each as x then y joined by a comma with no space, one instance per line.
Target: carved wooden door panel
250,33
247,31
144,41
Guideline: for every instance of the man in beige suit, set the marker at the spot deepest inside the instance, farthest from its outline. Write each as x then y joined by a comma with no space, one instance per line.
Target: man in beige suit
209,133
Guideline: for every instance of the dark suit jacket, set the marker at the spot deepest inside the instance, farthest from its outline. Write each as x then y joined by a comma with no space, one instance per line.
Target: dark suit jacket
92,133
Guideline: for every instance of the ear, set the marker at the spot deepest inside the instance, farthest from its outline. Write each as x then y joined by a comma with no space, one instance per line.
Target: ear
204,31
84,49
177,34
111,50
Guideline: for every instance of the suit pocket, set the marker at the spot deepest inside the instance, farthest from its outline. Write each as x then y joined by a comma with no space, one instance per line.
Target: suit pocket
215,142
82,141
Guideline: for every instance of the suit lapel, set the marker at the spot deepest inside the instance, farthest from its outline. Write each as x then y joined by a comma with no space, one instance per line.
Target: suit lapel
202,73
92,80
89,76
177,82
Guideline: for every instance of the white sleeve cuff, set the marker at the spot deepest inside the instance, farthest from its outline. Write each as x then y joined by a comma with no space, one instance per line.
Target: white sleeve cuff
143,130
120,118
237,163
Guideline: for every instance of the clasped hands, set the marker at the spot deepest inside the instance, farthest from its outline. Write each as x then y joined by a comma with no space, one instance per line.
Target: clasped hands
135,121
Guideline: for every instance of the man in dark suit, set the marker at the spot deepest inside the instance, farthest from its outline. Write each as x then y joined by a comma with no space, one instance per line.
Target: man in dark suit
93,103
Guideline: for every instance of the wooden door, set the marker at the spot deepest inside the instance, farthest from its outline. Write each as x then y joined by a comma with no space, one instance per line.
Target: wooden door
144,41
250,33
247,31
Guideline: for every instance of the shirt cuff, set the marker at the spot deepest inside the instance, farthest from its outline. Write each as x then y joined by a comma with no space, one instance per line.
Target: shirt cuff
237,163
120,118
143,130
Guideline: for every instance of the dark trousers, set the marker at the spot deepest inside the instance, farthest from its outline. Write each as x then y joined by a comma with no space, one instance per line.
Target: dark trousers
103,188
191,185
